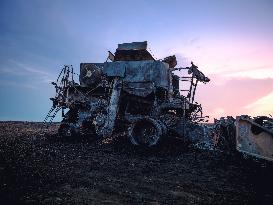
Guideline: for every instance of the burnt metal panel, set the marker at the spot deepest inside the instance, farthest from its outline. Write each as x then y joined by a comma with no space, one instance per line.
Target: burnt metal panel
114,69
133,46
90,73
156,72
132,55
171,60
112,109
259,145
148,71
142,89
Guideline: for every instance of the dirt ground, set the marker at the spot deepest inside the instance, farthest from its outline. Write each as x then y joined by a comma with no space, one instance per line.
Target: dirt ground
37,168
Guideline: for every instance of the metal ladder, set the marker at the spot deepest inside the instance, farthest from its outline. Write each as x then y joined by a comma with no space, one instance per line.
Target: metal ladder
51,115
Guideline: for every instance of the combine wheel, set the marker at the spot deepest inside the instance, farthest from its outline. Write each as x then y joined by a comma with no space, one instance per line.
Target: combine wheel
146,132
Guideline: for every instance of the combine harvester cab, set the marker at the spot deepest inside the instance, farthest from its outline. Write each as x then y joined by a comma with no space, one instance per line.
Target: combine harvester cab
130,93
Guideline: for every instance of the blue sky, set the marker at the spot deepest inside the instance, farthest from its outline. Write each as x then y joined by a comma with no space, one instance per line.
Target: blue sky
231,41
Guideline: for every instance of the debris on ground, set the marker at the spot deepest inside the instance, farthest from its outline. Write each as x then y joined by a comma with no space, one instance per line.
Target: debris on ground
47,169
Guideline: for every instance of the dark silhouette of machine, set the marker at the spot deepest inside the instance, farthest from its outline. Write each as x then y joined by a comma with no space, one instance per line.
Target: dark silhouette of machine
130,93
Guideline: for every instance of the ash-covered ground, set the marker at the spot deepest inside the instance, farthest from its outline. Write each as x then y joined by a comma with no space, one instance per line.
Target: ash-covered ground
37,168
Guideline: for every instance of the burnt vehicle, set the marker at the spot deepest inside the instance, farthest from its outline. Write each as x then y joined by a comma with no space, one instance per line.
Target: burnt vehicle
131,93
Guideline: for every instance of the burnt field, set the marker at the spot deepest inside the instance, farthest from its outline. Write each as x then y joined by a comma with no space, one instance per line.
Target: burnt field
37,168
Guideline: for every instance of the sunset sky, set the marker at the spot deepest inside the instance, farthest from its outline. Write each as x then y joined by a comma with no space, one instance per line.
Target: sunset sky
230,41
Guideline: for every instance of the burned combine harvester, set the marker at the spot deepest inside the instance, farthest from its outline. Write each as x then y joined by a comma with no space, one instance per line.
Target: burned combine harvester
133,94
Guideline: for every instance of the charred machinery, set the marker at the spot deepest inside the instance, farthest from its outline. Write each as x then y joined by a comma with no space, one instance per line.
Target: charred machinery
130,93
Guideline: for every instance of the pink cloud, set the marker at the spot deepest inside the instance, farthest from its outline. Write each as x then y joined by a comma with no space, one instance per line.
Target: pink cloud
232,95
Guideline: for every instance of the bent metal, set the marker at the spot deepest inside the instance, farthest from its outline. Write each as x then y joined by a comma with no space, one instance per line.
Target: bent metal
130,93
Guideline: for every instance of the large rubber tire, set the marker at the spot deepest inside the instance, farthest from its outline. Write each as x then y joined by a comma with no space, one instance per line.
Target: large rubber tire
146,132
